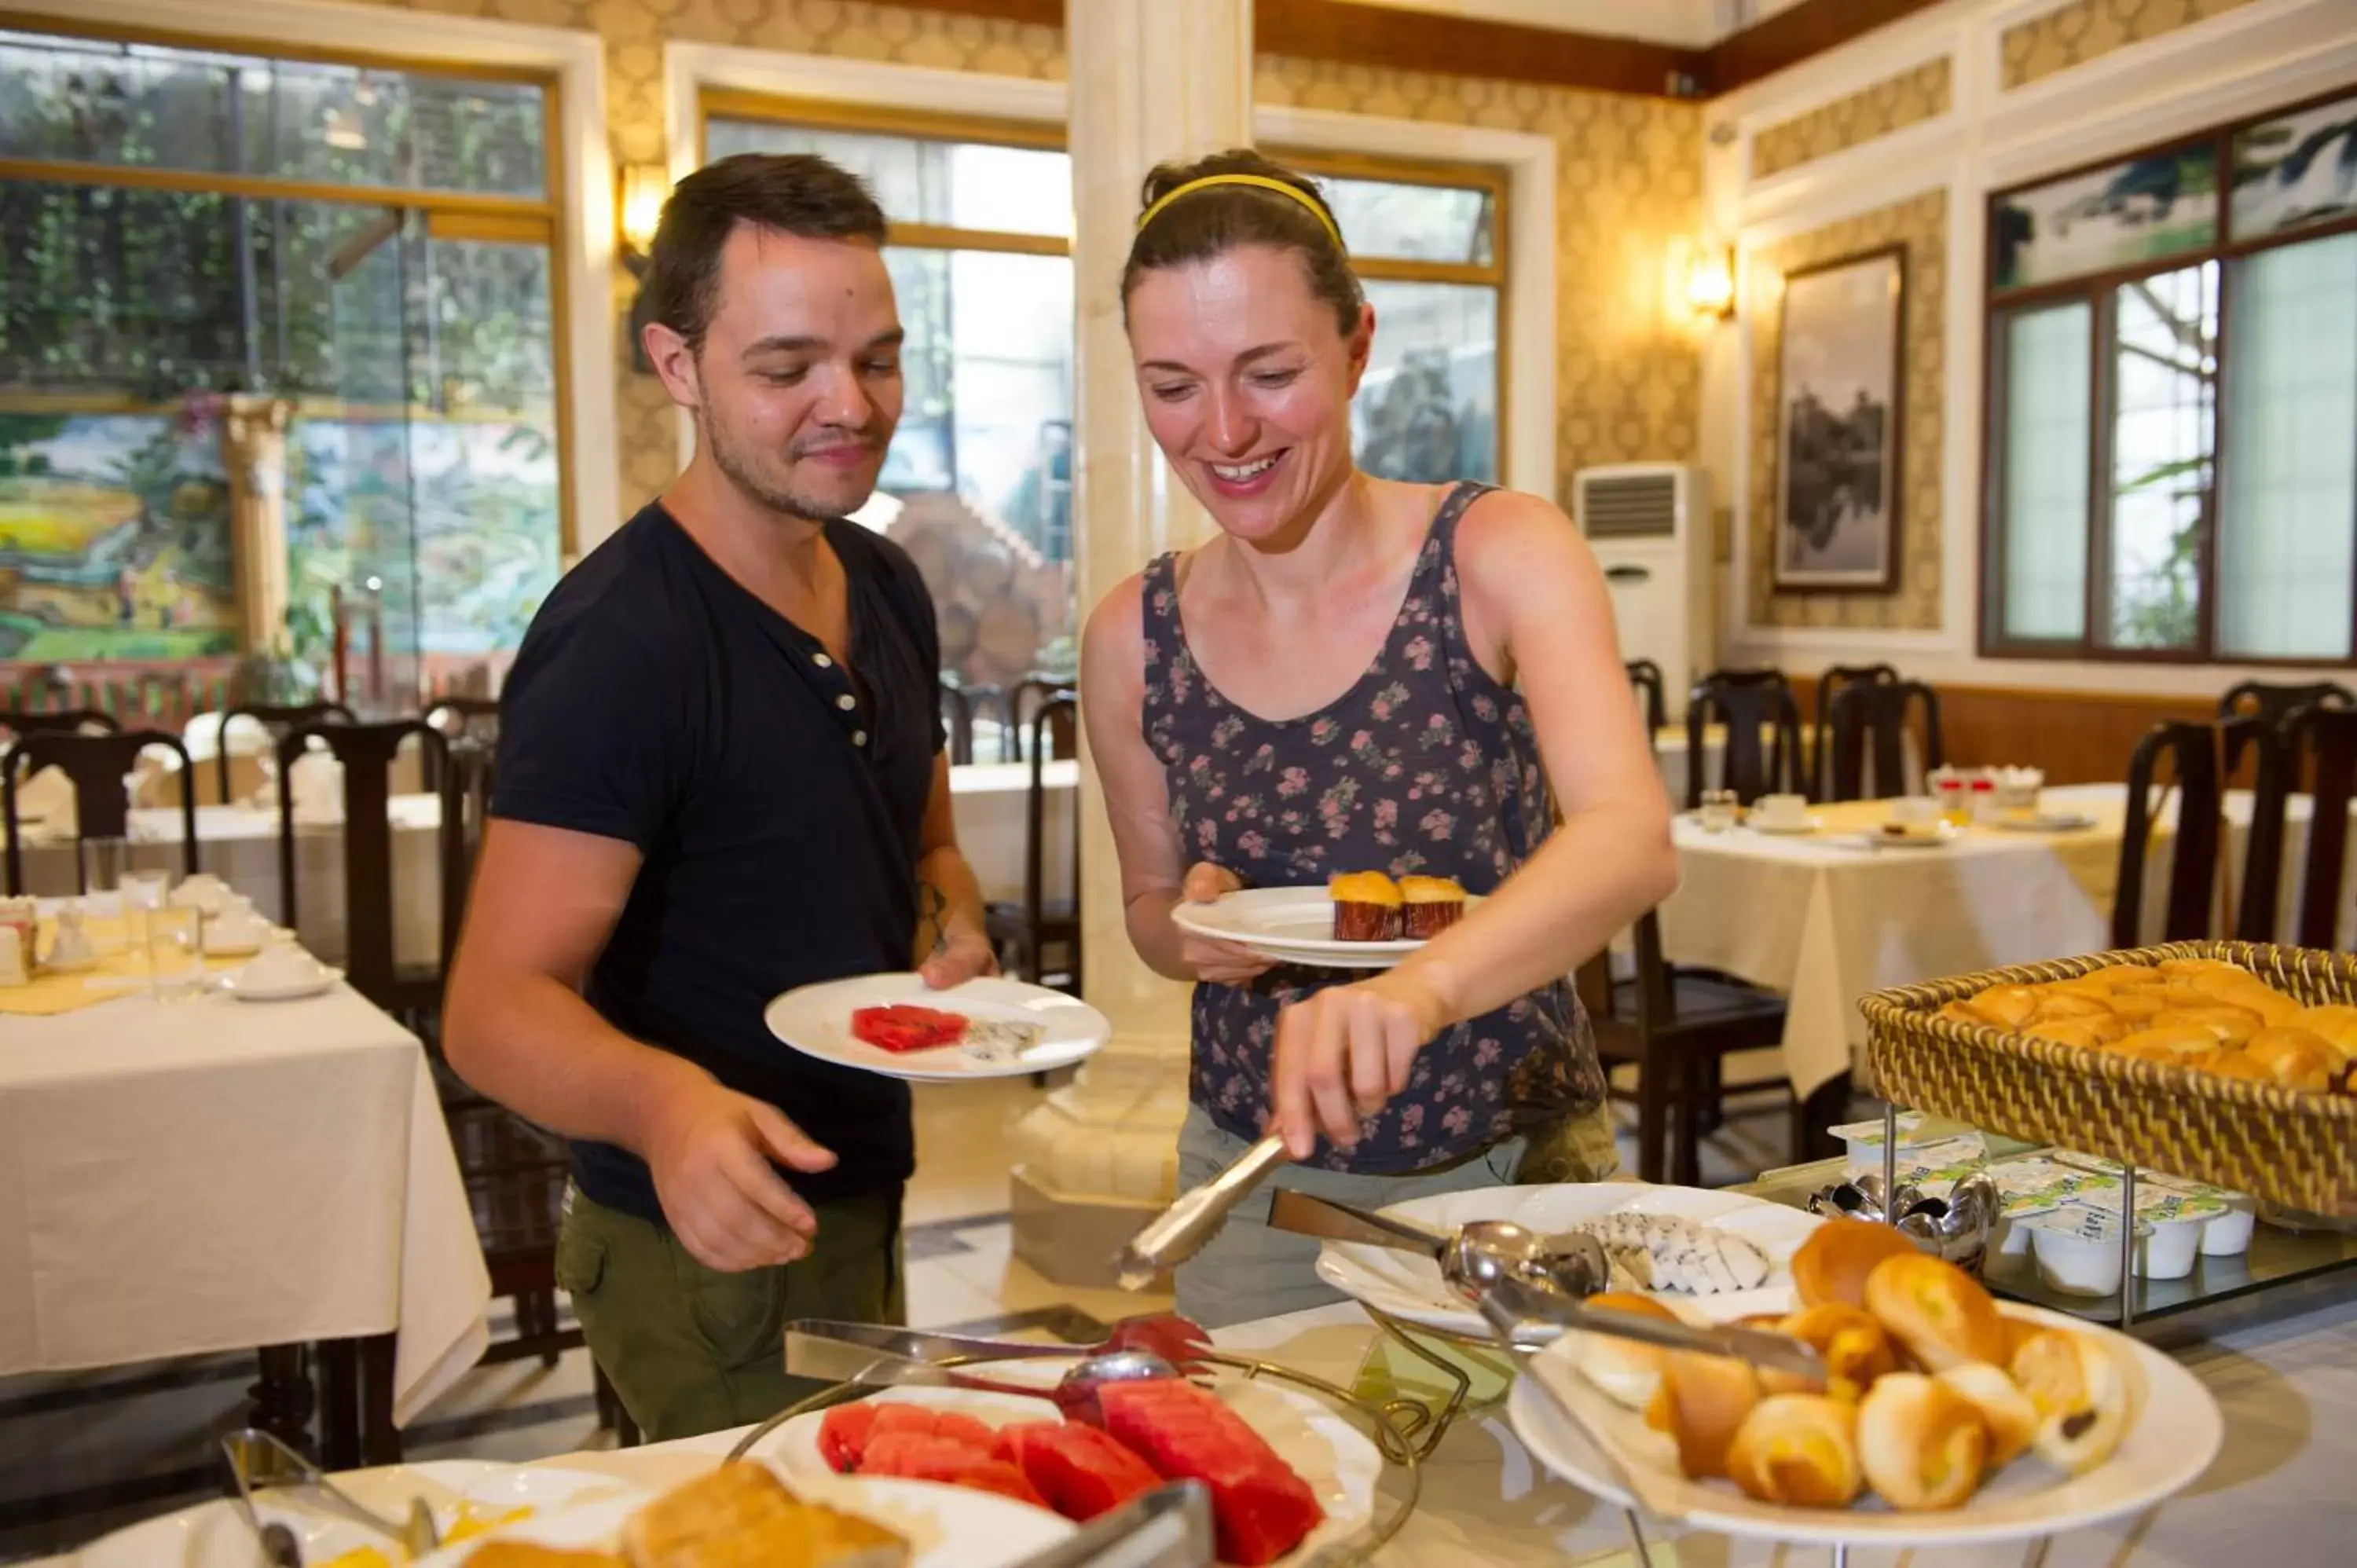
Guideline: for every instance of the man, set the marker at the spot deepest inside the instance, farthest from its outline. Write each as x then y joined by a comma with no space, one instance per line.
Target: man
721,777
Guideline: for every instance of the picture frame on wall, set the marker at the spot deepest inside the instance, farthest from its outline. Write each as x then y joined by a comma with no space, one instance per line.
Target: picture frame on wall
1840,401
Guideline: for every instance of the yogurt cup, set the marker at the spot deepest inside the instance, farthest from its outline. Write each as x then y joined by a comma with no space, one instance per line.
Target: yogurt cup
2077,1250
2166,1249
2228,1235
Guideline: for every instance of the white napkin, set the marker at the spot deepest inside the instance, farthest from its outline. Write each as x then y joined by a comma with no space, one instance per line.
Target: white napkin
47,798
318,786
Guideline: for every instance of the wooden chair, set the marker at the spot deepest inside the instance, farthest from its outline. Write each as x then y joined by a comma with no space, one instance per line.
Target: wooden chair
1838,679
1746,702
2193,871
1677,1029
2316,744
1873,714
1651,696
1025,930
2275,704
469,723
62,720
97,765
367,752
957,717
1026,700
275,720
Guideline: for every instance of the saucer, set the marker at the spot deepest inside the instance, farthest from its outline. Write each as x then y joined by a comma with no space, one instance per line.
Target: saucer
245,989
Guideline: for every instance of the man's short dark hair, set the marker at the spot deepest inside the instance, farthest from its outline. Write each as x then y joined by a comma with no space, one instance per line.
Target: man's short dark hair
794,193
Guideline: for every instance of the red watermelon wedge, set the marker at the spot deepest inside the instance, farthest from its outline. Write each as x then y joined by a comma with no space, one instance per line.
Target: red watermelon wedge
1261,1510
914,1458
902,1026
843,1435
1081,1471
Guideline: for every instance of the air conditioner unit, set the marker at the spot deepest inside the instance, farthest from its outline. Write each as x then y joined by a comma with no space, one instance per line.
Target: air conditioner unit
1650,526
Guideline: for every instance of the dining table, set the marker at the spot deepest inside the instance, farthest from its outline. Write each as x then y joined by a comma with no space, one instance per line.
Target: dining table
179,1178
2282,1368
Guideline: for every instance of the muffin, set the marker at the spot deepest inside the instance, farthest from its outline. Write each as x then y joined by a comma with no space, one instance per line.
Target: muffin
1432,904
1366,907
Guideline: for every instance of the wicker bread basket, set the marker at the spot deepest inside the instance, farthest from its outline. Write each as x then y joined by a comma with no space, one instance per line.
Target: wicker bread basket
2286,1147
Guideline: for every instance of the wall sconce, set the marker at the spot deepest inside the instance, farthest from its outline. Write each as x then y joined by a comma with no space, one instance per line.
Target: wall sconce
638,205
1710,281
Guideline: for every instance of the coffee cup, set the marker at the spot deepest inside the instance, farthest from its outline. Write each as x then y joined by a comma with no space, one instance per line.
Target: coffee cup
1781,811
281,963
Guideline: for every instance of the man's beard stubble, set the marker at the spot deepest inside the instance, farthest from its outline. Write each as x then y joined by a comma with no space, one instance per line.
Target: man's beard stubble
732,460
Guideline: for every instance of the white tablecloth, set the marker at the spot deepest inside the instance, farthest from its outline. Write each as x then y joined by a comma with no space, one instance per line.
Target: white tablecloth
184,1179
240,845
1823,925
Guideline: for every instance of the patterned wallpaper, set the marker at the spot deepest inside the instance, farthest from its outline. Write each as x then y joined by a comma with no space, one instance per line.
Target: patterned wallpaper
1920,223
1889,105
2082,31
1629,178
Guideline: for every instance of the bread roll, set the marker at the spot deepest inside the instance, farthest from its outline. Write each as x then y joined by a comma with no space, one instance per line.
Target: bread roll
1856,1346
1799,1449
2006,1006
1939,1312
2193,968
1628,1372
1833,1263
2295,1057
2085,1396
1701,1403
2273,1007
2238,1064
2178,1043
2077,1032
2138,1005
2006,1410
1921,1444
742,1514
2233,1026
2335,1021
2057,1004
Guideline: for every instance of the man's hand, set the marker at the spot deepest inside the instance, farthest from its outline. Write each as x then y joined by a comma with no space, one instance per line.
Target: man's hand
960,956
711,1150
1222,963
1344,1053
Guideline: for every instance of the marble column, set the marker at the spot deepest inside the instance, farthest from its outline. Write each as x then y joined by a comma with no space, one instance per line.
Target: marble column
1151,80
253,455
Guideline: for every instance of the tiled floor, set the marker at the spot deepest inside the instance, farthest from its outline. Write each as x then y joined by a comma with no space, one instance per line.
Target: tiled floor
84,1453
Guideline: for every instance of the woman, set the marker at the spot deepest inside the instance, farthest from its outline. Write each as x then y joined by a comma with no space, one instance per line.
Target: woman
1356,674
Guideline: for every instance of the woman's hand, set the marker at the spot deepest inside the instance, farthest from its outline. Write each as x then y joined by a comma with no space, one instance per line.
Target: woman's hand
1221,963
1344,1054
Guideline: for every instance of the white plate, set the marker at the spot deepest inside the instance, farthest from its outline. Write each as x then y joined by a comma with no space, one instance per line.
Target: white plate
816,1021
218,946
1409,1288
1289,925
1805,825
244,990
947,1527
2177,1433
2045,822
1338,1461
211,1535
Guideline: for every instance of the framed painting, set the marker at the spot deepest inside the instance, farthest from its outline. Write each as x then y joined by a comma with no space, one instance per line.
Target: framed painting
1839,398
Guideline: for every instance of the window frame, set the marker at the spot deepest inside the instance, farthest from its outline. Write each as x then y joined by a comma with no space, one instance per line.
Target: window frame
826,114
2097,290
457,215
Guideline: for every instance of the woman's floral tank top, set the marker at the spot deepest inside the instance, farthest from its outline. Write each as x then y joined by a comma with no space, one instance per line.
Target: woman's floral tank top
1427,766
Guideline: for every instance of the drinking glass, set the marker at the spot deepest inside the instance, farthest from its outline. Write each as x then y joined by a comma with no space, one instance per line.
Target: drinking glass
142,891
103,861
176,954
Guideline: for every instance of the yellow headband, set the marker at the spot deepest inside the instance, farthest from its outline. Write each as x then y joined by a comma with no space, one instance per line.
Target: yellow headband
1259,181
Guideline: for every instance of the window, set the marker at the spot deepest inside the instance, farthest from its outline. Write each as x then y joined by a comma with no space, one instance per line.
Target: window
2173,401
980,257
1430,243
372,241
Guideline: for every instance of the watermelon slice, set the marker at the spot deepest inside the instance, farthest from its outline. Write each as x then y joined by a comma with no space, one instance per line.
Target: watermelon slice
1081,1471
902,1026
913,1457
1260,1508
843,1435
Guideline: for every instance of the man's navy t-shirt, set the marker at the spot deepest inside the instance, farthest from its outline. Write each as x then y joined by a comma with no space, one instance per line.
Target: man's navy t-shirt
775,797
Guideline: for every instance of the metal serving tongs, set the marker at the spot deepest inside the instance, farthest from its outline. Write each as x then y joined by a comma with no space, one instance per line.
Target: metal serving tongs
1170,1527
1179,1232
1553,1274
258,1461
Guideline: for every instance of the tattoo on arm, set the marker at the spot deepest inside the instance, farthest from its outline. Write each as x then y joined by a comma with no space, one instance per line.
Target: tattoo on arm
933,912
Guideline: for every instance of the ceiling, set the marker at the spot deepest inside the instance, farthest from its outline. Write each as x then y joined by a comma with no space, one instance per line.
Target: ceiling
1683,24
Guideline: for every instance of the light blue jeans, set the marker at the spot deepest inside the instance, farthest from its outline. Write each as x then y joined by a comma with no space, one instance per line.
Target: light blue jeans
1248,1271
